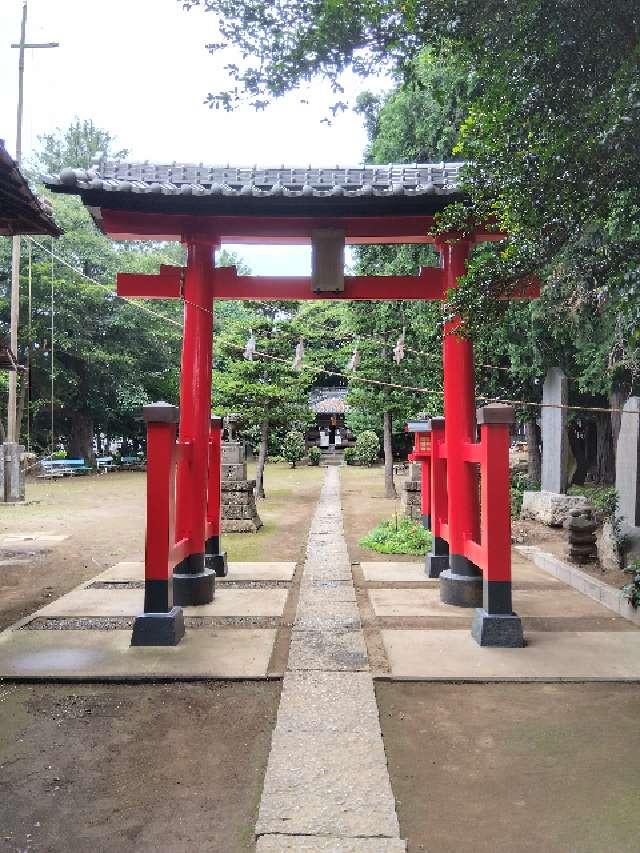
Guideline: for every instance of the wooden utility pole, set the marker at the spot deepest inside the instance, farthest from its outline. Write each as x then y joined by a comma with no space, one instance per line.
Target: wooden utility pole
15,254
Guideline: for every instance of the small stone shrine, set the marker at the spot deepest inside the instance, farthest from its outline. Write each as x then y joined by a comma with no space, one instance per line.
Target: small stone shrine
412,493
238,503
582,536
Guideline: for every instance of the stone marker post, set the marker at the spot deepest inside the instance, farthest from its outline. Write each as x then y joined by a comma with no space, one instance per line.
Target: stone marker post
555,440
12,477
628,473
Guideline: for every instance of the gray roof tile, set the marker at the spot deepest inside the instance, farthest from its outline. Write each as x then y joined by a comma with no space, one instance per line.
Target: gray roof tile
416,179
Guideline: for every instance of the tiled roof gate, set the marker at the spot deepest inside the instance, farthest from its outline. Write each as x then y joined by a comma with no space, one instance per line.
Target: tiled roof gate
419,179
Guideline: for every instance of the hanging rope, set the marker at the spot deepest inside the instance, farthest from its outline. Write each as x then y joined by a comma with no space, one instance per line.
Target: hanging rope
299,355
350,376
354,361
398,350
250,347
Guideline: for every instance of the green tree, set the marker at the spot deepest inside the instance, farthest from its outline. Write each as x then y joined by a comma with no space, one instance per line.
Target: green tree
99,358
75,146
268,393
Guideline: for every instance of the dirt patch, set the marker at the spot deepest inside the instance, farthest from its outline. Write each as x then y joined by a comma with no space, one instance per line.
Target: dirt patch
527,767
554,540
159,767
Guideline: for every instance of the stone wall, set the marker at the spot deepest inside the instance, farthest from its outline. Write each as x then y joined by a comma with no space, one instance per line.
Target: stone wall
239,513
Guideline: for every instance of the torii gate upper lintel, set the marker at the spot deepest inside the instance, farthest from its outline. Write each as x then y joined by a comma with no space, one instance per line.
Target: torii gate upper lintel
327,208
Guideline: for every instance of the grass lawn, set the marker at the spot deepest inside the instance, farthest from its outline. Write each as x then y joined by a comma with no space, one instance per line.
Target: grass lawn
286,513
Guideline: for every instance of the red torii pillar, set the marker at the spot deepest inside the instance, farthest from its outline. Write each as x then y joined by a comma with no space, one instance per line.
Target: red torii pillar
193,580
461,583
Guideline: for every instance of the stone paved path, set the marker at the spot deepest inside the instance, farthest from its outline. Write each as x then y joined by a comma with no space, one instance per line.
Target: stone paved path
327,787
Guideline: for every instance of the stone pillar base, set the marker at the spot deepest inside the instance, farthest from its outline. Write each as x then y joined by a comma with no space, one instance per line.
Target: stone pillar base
193,588
460,590
504,630
158,629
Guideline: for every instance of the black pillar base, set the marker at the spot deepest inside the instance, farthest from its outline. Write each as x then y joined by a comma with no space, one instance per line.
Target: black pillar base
214,558
502,629
461,583
158,629
192,589
218,564
426,522
438,560
435,564
193,584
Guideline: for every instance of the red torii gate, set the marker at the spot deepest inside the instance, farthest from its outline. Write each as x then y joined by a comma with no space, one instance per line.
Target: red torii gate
328,208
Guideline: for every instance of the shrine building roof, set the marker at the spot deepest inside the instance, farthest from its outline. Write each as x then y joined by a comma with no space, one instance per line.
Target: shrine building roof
180,188
21,211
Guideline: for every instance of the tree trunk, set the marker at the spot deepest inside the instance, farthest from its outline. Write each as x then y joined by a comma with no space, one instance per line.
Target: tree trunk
604,468
24,386
617,400
262,458
389,485
81,437
578,444
534,460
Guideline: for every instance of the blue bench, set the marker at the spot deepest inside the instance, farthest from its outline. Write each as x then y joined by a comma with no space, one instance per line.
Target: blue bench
133,463
105,463
63,467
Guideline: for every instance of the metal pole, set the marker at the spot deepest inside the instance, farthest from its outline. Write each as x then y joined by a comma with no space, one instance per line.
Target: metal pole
15,246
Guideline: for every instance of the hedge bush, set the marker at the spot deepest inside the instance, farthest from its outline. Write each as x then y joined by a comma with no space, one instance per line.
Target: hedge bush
350,456
367,447
314,455
293,447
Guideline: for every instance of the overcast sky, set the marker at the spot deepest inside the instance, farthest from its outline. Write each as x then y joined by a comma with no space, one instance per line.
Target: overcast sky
139,68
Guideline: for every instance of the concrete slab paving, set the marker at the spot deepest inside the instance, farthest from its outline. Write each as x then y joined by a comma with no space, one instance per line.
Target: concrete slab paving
83,655
394,572
332,650
453,655
526,602
130,602
387,571
252,571
121,572
317,844
327,785
330,702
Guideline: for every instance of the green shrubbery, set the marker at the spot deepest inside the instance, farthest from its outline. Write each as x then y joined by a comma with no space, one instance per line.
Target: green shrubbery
313,455
603,499
350,456
293,447
367,447
398,536
520,484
